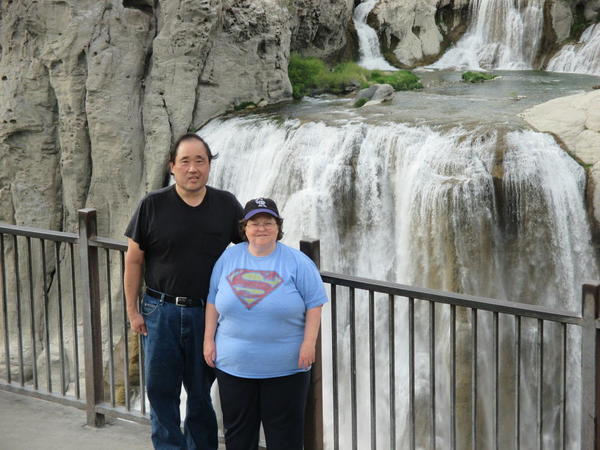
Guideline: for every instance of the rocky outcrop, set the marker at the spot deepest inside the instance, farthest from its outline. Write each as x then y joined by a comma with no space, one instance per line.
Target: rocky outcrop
575,121
409,29
323,29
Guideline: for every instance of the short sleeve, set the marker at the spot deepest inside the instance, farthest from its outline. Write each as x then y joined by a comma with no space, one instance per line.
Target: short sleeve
309,283
136,230
238,214
215,278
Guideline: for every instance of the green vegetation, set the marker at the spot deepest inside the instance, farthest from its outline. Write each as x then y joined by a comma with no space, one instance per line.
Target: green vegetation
402,80
477,77
360,102
311,75
244,105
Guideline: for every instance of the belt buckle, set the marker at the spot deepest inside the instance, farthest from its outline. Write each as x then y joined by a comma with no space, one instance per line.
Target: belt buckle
181,301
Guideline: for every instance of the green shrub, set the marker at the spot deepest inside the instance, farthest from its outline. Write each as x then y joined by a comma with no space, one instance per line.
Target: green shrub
312,75
402,80
477,77
360,102
303,73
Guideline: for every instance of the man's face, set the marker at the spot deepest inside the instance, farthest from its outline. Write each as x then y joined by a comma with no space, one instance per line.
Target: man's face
191,166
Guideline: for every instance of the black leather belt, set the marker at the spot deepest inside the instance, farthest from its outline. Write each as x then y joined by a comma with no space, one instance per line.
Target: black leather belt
179,301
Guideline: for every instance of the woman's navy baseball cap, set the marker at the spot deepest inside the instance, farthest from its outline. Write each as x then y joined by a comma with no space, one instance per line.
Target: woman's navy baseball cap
260,205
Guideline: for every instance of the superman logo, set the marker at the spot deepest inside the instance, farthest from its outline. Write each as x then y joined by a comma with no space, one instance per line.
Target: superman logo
251,286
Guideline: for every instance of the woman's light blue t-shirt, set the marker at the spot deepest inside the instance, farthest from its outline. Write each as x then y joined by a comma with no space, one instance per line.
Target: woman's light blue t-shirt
262,304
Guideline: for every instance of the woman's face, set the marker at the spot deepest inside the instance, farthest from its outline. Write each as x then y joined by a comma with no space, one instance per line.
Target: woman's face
262,229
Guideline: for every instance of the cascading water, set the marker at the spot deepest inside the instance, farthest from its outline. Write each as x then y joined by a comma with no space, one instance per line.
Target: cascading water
489,213
583,57
368,42
503,34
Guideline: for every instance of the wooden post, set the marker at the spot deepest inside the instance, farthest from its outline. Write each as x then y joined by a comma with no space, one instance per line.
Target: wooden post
590,373
92,336
313,427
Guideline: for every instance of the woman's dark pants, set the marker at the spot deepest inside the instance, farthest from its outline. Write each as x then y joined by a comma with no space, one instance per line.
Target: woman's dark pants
277,402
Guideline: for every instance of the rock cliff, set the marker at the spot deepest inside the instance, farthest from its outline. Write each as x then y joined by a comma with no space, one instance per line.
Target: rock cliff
94,93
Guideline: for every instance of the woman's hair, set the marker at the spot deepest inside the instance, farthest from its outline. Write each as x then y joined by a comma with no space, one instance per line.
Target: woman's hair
278,220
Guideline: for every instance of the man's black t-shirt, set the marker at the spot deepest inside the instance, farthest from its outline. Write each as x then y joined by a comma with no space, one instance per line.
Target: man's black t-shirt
181,243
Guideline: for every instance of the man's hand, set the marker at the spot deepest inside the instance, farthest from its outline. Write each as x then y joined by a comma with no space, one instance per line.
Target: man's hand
138,325
210,352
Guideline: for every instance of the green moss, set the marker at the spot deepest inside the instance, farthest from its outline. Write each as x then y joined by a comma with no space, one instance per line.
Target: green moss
360,102
309,75
477,77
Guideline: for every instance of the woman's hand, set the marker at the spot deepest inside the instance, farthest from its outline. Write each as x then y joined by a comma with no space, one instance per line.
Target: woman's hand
210,327
307,355
210,352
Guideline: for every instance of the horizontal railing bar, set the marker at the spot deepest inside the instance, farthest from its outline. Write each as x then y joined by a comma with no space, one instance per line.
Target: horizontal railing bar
451,298
113,244
38,233
122,413
26,390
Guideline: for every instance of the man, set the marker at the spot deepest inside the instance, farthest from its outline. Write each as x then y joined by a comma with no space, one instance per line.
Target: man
177,233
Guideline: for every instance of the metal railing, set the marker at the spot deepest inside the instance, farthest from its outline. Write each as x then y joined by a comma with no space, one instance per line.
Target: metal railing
441,370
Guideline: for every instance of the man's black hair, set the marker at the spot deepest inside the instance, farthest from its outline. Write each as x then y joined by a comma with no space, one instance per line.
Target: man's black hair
189,137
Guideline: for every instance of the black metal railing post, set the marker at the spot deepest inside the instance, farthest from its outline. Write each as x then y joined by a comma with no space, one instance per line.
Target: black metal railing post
92,336
590,373
313,428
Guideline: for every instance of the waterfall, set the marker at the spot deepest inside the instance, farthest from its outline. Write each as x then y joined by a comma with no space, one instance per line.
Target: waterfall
583,57
368,42
490,213
420,192
503,34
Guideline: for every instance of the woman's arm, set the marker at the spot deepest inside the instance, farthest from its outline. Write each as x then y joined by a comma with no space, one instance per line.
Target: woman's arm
311,331
210,327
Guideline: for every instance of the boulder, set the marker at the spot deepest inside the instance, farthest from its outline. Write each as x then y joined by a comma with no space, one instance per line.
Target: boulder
376,94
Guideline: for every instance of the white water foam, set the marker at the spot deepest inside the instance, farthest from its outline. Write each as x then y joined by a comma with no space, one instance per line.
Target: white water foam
503,34
368,42
583,57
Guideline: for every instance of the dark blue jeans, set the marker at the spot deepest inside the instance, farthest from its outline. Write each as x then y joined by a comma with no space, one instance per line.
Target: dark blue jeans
173,355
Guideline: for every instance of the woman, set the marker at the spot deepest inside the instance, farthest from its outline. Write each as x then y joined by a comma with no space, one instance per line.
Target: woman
264,306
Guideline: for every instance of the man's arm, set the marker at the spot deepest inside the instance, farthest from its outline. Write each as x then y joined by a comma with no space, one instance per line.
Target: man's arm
134,262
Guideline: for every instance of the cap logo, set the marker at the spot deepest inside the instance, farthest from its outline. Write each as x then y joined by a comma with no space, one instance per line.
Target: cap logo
261,202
